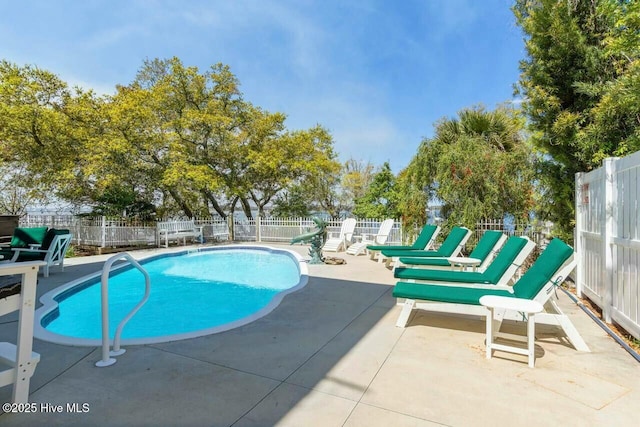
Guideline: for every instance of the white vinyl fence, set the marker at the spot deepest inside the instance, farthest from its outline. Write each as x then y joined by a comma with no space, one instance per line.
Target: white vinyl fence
608,239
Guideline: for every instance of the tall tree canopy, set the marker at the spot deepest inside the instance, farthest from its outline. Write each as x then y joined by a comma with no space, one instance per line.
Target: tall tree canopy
478,165
175,137
581,88
380,199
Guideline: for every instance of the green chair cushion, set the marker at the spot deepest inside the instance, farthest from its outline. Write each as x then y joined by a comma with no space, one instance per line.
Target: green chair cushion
482,250
507,255
548,263
46,243
446,249
529,285
421,242
485,245
6,254
51,234
451,243
31,256
25,236
491,275
450,294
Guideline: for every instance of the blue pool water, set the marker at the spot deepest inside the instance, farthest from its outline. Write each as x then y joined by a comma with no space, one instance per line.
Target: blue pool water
190,292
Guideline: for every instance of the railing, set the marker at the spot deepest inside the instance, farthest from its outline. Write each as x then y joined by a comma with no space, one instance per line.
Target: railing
538,232
283,229
107,360
115,232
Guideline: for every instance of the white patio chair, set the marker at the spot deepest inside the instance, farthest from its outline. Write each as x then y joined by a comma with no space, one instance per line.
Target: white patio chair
379,239
343,240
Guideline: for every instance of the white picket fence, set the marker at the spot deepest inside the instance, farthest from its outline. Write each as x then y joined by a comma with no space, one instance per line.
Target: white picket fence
608,240
116,232
283,229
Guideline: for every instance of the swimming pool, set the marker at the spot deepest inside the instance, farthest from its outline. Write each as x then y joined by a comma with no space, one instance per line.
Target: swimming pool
193,293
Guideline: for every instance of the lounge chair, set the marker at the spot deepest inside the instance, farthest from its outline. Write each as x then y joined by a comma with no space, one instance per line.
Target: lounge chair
424,241
52,250
379,239
501,270
343,240
484,252
451,246
23,237
551,268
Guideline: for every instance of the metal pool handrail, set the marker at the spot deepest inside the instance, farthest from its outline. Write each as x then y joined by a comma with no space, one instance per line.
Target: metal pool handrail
117,351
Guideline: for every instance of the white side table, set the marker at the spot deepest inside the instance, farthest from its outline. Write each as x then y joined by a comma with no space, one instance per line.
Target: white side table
525,306
464,262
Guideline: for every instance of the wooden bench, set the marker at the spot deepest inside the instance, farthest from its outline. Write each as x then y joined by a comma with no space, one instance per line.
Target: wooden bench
178,230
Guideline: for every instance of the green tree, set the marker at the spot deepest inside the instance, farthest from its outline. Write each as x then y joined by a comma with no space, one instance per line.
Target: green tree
580,83
380,199
177,138
291,203
18,190
478,165
357,176
46,128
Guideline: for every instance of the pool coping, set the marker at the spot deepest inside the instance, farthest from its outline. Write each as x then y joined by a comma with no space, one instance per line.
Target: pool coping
49,303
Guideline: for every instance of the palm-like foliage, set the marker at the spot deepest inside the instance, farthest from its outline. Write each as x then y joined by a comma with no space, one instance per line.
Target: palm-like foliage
478,165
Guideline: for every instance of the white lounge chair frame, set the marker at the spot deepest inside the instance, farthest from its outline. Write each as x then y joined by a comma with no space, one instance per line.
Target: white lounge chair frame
343,240
552,315
53,256
378,239
20,358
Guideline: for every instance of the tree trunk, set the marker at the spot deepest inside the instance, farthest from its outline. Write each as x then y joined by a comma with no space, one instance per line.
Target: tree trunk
214,202
246,207
180,201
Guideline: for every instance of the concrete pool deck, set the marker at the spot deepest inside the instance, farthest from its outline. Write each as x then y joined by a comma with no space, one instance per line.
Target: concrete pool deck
330,355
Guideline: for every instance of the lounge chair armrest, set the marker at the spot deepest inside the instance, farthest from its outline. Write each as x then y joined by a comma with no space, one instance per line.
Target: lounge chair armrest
18,250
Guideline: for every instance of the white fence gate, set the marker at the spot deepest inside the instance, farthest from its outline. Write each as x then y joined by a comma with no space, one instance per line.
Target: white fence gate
608,239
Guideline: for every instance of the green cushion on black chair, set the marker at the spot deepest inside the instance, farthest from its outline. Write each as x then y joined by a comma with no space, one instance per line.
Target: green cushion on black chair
51,234
25,236
22,238
46,243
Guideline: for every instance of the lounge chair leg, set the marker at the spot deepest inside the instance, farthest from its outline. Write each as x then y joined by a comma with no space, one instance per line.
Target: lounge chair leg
407,308
569,329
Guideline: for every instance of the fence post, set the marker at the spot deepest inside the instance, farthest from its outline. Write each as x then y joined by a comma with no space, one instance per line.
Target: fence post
258,230
610,273
103,232
578,242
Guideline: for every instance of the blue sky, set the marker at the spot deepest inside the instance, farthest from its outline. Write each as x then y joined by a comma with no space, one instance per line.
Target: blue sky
377,74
